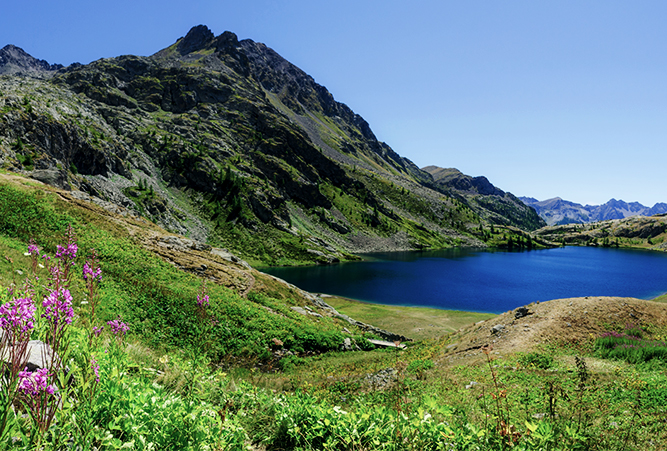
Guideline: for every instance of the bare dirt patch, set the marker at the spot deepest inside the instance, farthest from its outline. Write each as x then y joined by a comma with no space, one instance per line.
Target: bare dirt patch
572,320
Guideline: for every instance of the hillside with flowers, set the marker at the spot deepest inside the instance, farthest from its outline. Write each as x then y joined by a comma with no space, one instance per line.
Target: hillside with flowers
111,341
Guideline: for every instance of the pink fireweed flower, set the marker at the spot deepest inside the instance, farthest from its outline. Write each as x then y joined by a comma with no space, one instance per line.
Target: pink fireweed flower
96,368
18,315
33,383
90,272
202,296
33,250
118,327
58,306
68,253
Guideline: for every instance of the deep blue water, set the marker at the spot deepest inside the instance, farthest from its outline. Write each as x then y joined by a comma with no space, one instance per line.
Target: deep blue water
487,281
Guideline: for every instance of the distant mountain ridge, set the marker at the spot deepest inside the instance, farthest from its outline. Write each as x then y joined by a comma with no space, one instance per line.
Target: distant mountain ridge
557,211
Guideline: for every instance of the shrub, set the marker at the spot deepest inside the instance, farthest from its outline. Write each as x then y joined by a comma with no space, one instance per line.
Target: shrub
536,360
419,368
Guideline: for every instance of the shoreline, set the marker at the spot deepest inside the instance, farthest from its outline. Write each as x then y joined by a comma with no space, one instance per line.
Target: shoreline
417,323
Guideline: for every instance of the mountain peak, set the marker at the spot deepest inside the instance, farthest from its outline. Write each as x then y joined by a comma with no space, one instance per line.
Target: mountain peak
14,59
198,38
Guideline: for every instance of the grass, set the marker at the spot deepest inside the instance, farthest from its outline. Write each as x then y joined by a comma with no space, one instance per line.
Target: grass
417,323
152,295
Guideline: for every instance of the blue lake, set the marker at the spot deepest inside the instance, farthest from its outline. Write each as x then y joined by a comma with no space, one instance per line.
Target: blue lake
487,281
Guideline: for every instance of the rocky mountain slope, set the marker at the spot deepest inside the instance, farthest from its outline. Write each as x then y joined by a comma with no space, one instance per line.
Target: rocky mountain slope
228,143
491,203
557,211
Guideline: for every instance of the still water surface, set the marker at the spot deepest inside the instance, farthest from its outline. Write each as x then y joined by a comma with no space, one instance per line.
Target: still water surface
487,281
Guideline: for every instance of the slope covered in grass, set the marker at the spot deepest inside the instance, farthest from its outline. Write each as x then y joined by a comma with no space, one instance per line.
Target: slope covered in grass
155,297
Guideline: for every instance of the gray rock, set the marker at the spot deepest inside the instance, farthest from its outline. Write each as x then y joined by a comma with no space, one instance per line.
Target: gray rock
180,243
39,355
299,310
226,255
521,312
306,311
497,328
387,344
52,177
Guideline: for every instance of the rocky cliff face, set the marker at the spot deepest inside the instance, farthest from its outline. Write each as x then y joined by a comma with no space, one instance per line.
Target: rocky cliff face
557,211
226,142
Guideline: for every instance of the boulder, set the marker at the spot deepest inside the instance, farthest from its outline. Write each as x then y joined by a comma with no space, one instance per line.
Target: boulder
347,345
39,355
52,177
497,328
521,312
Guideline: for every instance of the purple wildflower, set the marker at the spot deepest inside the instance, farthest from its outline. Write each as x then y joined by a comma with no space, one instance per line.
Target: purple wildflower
97,330
67,253
18,315
202,296
58,306
92,273
118,327
96,368
32,383
33,250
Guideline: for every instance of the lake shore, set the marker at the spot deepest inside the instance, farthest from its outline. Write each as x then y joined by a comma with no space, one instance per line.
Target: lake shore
417,323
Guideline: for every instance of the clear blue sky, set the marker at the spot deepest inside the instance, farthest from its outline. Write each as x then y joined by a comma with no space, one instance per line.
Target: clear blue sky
545,98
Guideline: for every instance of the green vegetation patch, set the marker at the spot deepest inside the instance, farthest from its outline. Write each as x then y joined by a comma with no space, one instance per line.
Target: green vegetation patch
156,299
413,322
631,345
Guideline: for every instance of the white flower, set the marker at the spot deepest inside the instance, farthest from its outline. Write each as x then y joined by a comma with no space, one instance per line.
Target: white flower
337,409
